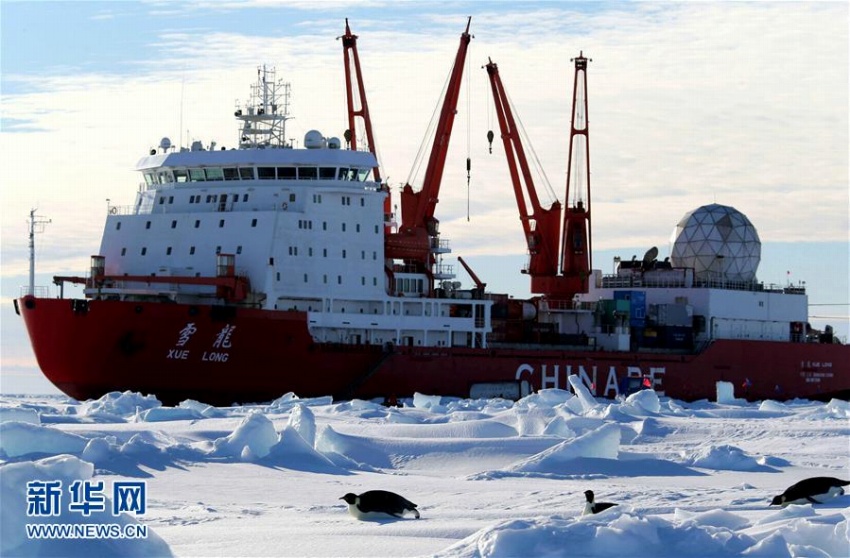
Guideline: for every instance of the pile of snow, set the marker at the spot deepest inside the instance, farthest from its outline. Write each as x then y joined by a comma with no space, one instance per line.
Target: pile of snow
19,414
602,443
252,439
726,457
26,438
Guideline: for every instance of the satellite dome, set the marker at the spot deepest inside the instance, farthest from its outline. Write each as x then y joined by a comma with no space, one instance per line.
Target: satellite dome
314,140
719,243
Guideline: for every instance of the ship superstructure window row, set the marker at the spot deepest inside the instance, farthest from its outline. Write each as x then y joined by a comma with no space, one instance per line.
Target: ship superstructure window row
220,174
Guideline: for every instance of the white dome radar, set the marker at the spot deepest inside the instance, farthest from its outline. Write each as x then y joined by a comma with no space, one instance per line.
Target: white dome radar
314,140
719,243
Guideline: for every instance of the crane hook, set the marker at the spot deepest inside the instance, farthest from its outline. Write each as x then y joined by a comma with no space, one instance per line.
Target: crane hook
490,139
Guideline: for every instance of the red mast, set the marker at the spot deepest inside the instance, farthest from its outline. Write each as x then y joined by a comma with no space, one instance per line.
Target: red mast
419,230
576,241
349,52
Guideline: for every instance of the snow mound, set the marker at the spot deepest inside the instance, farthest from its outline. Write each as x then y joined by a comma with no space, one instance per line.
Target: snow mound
19,414
252,439
293,452
838,408
357,451
723,457
583,396
24,438
165,414
428,402
642,402
206,411
604,443
550,397
116,406
303,421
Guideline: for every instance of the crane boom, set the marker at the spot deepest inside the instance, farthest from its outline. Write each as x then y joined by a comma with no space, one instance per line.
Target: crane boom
540,225
549,243
419,229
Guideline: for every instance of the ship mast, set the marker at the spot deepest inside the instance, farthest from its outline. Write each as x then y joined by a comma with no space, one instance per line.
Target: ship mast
264,115
36,225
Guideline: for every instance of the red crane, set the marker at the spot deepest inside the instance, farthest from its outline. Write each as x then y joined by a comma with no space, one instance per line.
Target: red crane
540,225
549,243
417,236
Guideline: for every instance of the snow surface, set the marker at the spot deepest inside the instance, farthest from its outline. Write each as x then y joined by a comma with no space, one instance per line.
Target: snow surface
491,477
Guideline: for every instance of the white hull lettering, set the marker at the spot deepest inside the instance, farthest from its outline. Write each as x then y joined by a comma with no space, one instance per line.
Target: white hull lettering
549,377
215,357
178,354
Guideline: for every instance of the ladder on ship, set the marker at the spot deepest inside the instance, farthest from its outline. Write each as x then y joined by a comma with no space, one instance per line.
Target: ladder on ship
348,392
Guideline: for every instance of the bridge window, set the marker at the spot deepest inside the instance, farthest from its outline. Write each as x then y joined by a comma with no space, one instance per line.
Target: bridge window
181,175
265,173
214,174
230,173
246,173
197,175
308,173
286,173
327,173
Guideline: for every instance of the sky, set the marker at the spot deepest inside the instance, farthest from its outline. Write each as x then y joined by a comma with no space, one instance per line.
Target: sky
693,103
490,478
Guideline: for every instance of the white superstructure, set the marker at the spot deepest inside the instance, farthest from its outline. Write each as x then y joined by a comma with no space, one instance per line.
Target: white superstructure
306,227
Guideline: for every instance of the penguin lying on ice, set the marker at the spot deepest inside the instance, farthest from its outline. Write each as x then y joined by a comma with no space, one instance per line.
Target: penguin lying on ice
592,507
815,490
375,504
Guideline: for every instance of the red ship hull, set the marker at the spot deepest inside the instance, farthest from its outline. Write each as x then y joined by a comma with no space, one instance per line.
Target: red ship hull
221,355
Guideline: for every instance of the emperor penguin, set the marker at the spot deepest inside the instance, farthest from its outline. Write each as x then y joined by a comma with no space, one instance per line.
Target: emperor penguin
592,506
815,490
375,504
